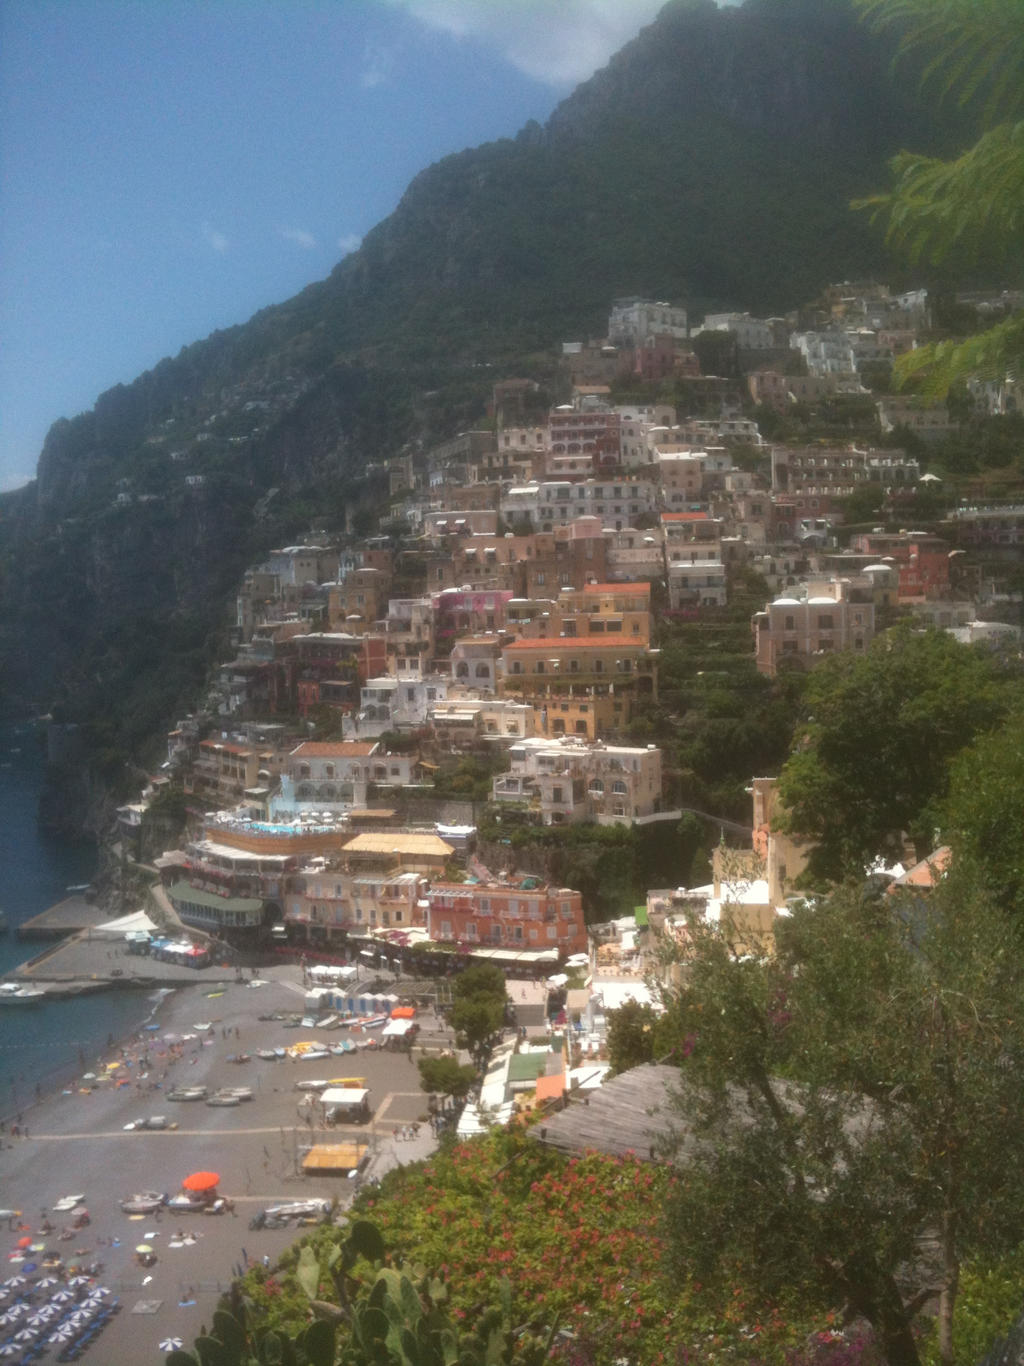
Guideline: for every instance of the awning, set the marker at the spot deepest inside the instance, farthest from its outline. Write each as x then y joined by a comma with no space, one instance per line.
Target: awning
336,1157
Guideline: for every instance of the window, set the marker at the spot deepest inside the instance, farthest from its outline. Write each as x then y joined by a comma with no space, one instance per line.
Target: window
789,624
557,794
825,621
619,787
540,579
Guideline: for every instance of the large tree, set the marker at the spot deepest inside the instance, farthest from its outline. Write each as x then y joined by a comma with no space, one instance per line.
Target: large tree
871,765
984,815
850,1108
478,1008
969,210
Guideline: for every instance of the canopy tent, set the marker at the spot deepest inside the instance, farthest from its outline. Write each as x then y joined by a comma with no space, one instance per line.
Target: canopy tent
396,1029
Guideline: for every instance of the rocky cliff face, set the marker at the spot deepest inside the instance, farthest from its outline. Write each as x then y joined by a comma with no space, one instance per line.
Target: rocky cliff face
691,166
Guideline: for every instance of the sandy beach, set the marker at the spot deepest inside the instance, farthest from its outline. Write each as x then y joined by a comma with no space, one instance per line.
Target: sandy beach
77,1143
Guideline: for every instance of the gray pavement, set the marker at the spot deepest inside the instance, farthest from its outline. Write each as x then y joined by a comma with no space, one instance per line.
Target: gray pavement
78,1143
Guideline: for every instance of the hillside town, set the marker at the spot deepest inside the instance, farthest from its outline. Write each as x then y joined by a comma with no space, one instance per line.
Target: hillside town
501,622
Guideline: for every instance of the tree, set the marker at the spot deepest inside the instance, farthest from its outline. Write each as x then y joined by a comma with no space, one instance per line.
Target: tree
478,1008
850,1107
631,1036
871,765
970,208
446,1077
984,815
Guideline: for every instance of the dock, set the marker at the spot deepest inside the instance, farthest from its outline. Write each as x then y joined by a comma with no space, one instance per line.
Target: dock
73,915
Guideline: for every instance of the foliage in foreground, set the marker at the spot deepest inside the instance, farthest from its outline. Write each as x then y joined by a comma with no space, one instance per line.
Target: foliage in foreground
580,1242
850,1095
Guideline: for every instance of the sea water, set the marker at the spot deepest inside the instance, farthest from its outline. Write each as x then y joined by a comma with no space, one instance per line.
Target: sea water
43,1045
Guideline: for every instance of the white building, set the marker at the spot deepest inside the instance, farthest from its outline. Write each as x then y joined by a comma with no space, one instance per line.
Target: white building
568,779
633,320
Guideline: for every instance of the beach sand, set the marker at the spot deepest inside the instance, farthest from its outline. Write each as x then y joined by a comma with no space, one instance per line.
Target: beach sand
77,1144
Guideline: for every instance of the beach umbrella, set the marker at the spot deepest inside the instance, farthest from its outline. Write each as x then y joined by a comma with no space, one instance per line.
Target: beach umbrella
26,1335
144,1247
9,1350
64,1333
62,1297
46,1281
77,1281
200,1181
24,1242
170,1344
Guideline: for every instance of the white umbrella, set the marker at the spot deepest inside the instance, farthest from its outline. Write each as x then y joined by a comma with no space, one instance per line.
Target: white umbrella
46,1282
170,1344
9,1351
15,1281
63,1334
99,1290
79,1280
62,1297
26,1335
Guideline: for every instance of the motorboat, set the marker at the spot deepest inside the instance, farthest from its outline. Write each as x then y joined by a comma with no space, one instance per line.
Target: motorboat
188,1093
143,1202
17,994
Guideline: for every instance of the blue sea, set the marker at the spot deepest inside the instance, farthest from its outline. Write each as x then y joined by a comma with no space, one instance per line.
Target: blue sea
42,1045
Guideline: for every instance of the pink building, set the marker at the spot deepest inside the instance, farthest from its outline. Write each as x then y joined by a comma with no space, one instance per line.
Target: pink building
515,916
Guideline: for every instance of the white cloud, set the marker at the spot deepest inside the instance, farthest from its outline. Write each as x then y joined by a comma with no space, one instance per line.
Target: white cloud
377,66
558,42
350,242
299,236
213,238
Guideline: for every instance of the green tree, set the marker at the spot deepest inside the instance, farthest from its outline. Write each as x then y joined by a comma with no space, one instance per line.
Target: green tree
984,815
446,1077
969,209
478,1008
850,1107
631,1036
871,765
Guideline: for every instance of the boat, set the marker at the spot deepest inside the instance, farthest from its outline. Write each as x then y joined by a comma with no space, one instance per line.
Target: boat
269,1054
14,994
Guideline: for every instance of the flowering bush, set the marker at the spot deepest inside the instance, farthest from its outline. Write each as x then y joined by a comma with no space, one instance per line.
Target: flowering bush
580,1242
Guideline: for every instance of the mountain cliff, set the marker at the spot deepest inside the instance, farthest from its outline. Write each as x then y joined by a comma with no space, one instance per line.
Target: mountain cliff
712,160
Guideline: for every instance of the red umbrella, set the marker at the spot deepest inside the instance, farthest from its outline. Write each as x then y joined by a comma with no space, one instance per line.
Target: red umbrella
24,1242
200,1181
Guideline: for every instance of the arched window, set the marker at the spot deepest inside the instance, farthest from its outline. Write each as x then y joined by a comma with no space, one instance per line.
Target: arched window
462,669
483,671
619,788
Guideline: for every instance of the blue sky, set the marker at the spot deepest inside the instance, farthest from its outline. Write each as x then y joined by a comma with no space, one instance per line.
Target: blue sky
167,167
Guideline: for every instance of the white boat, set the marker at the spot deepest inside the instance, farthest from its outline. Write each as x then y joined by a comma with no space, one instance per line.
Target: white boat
14,994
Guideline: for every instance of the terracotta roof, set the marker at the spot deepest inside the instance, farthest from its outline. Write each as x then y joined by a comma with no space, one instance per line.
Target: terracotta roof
226,747
398,843
569,644
335,749
684,516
